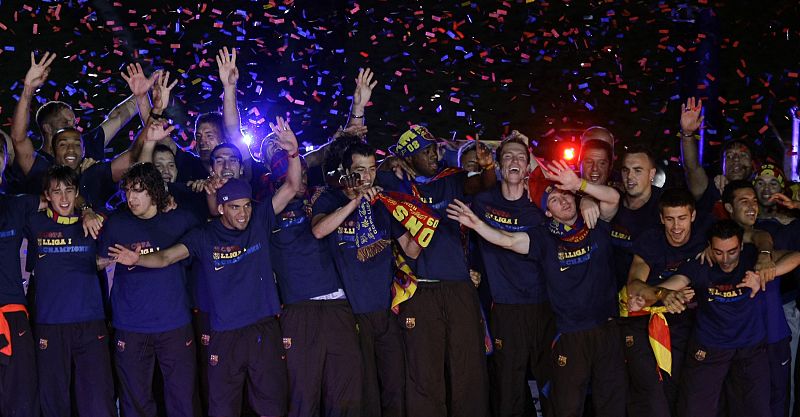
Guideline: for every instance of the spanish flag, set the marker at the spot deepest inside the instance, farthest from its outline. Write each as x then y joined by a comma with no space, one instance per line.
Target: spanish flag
657,329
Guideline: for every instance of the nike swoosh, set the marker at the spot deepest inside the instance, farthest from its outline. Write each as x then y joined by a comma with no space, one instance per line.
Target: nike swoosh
785,362
563,269
22,333
217,268
42,255
130,268
189,343
101,336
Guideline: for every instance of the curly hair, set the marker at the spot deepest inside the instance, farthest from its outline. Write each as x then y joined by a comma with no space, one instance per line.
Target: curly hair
145,176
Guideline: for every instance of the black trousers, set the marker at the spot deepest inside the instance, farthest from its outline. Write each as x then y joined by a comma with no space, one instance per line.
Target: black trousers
383,359
744,372
591,355
446,372
522,336
18,376
79,352
323,359
136,355
251,355
646,391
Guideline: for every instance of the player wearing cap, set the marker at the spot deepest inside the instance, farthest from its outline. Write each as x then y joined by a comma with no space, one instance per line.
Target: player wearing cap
442,325
233,252
579,277
521,320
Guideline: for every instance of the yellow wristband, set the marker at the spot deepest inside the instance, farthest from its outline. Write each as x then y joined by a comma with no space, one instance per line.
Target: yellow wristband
583,186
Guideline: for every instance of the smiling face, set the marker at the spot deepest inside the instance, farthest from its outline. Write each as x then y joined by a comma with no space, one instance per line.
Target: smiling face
726,252
596,166
677,223
165,164
61,197
68,149
766,185
637,174
737,163
235,215
364,166
226,164
744,207
426,161
514,163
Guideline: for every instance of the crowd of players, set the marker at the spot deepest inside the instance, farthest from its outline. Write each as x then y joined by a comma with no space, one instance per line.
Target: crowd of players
259,281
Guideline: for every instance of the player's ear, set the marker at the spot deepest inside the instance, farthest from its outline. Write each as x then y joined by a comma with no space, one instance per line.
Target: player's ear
219,209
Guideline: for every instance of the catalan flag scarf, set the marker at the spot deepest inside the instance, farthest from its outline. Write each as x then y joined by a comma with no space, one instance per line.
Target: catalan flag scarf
657,329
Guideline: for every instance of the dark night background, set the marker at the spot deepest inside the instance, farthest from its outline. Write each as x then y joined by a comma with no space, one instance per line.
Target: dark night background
548,69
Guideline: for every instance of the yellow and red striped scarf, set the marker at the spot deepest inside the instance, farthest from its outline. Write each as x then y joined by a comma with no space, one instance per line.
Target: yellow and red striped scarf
657,329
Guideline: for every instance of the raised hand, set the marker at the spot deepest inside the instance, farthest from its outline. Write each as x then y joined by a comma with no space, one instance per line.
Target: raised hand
691,118
137,81
38,72
364,86
226,63
369,193
286,139
123,255
356,130
155,131
461,213
351,182
563,175
162,91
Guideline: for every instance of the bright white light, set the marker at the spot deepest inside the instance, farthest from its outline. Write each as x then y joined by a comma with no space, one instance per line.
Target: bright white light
248,140
309,148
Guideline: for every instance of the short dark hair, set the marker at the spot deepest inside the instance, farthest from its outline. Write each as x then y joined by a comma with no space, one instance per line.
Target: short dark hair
146,176
676,197
57,136
358,148
162,148
498,153
731,187
335,151
48,111
214,118
60,174
597,144
223,145
640,148
734,142
726,229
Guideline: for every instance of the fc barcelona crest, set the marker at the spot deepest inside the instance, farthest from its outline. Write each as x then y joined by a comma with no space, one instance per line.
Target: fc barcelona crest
120,346
213,360
287,342
629,341
562,360
42,344
411,322
700,355
205,339
498,344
